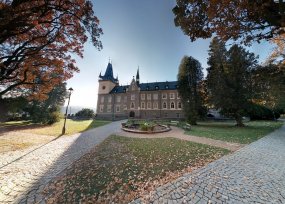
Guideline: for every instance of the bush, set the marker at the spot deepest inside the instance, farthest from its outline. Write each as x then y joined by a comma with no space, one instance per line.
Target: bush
259,112
53,117
85,113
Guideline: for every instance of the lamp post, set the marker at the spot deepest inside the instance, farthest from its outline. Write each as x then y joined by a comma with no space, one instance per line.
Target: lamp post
63,129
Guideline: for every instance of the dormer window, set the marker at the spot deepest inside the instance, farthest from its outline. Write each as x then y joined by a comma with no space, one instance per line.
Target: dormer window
166,87
147,88
156,87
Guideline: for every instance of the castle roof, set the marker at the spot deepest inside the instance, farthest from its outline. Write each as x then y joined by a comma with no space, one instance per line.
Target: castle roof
109,74
153,86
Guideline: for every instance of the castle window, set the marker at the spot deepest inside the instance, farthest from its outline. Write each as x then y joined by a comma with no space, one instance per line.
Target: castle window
155,105
109,108
103,87
109,99
179,105
133,96
148,96
172,106
102,99
101,108
164,95
118,99
178,96
117,108
164,105
143,105
171,95
132,105
155,96
142,96
148,105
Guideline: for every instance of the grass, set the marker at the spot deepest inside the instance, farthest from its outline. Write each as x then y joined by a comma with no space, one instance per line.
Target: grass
227,131
72,126
120,168
6,145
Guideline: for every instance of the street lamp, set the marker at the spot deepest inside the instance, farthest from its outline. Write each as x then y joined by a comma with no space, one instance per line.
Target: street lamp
63,129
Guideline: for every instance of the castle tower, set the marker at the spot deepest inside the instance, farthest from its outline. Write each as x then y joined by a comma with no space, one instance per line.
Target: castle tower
107,81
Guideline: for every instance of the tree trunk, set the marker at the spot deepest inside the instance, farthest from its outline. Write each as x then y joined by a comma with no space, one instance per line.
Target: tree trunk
238,119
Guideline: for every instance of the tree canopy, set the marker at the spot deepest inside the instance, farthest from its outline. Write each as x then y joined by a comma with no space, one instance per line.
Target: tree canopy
241,19
190,76
37,39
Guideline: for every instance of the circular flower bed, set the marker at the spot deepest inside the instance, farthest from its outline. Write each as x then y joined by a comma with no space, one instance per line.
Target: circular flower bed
144,127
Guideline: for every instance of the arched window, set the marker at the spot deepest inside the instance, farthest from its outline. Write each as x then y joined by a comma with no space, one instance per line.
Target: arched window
132,105
164,105
172,105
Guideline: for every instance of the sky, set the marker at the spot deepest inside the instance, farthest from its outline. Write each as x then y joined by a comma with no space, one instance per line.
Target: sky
138,34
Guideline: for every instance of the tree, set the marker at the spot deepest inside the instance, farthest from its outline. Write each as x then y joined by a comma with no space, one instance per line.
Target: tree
85,113
268,85
228,78
48,111
240,19
190,76
36,40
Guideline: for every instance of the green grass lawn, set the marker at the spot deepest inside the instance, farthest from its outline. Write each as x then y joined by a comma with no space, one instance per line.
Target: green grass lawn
72,126
227,131
120,168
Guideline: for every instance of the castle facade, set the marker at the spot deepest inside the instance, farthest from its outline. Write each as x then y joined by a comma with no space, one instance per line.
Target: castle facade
138,100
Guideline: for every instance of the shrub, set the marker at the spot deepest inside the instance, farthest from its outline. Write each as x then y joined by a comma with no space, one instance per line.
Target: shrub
259,112
85,113
54,117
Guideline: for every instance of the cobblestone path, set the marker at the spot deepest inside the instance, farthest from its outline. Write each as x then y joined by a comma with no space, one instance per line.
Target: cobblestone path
253,174
22,180
179,133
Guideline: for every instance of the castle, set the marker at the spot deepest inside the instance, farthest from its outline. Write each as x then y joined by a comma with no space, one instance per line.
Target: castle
139,100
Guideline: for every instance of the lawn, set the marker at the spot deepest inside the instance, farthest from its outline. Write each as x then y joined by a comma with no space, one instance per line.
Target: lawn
72,126
121,169
227,131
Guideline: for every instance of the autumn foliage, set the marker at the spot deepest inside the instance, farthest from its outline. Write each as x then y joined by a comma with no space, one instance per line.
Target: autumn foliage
37,41
241,19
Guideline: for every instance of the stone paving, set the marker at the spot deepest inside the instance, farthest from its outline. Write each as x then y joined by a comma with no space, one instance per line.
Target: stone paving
22,180
253,174
179,134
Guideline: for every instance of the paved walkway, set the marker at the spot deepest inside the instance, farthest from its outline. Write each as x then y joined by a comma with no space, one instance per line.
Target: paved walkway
22,180
253,174
179,133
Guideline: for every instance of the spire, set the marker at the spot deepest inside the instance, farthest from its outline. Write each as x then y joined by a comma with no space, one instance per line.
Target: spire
138,76
108,74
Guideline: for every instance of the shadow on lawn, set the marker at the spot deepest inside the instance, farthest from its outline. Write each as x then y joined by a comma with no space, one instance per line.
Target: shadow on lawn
80,146
19,126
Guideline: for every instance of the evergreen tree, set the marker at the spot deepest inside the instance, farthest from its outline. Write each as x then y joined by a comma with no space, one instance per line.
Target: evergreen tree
228,79
189,77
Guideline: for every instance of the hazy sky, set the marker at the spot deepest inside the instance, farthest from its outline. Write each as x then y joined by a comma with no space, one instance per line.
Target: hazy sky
138,33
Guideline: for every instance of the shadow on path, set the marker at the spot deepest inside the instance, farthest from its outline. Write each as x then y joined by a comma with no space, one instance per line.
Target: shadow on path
23,180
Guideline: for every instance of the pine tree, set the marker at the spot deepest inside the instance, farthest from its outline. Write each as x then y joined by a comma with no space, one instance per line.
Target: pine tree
228,79
189,77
